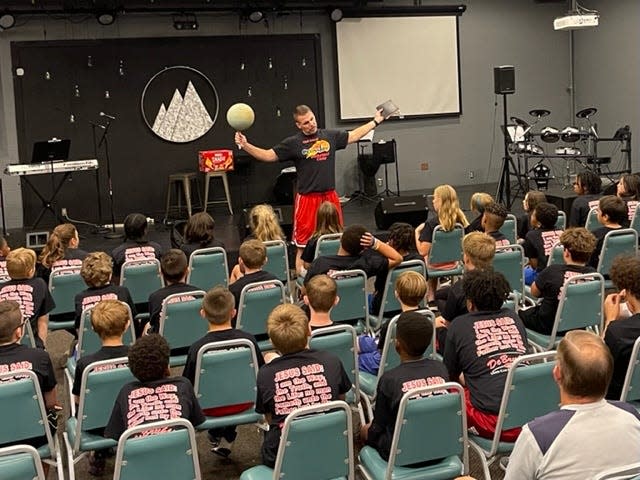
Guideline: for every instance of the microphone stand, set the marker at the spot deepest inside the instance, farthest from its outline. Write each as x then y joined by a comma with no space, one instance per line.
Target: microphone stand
95,155
105,140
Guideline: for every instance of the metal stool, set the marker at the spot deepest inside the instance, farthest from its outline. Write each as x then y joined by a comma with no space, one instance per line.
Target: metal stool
223,175
183,179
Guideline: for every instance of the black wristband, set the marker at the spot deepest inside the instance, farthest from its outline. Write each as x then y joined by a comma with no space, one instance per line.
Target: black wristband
376,122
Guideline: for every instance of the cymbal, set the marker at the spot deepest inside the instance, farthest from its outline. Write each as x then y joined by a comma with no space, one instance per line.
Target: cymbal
586,112
519,122
540,112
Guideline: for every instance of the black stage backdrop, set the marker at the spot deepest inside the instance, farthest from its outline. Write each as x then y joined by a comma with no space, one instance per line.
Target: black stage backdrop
62,86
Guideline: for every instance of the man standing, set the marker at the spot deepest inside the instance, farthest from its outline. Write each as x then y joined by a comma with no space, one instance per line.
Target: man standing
313,152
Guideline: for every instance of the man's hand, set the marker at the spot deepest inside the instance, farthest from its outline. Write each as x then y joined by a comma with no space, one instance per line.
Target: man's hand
441,322
240,139
378,116
367,240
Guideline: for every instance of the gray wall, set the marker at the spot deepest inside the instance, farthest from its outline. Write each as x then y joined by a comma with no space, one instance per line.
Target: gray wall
492,32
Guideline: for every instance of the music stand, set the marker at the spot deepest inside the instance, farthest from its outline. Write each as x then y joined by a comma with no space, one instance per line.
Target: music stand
385,153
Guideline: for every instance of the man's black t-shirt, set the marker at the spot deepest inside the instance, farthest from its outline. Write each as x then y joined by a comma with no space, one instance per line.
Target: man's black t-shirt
538,244
482,346
189,248
157,298
580,209
73,257
620,337
260,276
318,375
93,295
392,386
105,353
314,157
33,296
131,250
371,262
599,233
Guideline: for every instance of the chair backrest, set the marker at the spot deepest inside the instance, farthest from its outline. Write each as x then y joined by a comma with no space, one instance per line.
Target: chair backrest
342,341
561,222
173,449
27,336
444,413
64,284
208,267
180,321
328,244
388,301
580,305
446,246
510,228
592,222
631,387
277,260
88,339
509,260
142,278
256,302
232,361
329,426
617,242
556,256
627,472
353,304
635,221
19,462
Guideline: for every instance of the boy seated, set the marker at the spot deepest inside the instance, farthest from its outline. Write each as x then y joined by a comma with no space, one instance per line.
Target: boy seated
413,336
539,242
155,395
218,310
410,290
578,246
30,292
321,297
96,271
135,246
492,220
612,214
317,373
252,256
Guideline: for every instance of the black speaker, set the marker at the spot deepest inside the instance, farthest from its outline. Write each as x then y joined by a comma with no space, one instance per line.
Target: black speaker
412,209
504,80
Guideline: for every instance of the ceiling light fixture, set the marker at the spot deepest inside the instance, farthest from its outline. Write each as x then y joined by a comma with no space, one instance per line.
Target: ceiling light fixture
7,21
106,18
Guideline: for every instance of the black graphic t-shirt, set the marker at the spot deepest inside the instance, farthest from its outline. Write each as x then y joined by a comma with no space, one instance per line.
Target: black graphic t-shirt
73,257
105,353
189,248
260,276
304,378
620,337
314,157
580,209
20,357
371,262
538,244
599,233
482,346
500,238
163,399
93,295
33,296
157,297
130,250
392,386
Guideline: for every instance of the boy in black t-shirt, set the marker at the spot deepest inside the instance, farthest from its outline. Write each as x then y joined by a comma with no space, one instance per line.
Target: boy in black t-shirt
612,214
587,186
413,336
578,246
31,293
217,309
252,256
539,242
492,220
320,375
136,246
321,297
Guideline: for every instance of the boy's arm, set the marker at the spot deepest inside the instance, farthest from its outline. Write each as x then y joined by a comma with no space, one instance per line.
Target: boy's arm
535,291
43,327
369,241
50,398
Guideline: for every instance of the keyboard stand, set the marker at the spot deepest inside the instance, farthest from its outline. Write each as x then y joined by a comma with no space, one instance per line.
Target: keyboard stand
47,203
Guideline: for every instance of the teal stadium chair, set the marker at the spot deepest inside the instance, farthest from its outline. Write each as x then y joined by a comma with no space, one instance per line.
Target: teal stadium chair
627,472
631,387
556,255
616,242
23,416
529,392
142,278
328,244
64,284
580,307
326,429
635,221
27,336
208,267
20,462
353,307
509,260
437,452
101,383
510,228
445,248
277,260
561,222
171,452
592,222
256,302
181,324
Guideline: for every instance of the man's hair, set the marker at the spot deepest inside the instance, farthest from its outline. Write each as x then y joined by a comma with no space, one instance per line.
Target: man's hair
625,274
546,214
20,262
300,110
149,358
173,265
486,289
414,331
218,303
585,363
411,288
321,292
580,243
402,237
10,319
480,248
109,318
350,240
199,229
253,254
589,181
495,214
288,328
135,226
96,270
614,208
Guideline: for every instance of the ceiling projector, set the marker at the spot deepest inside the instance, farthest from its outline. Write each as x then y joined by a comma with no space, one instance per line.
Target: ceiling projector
576,21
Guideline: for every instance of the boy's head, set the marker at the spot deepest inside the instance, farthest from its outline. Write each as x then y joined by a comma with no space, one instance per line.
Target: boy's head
322,293
402,237
411,287
253,254
21,263
288,328
612,209
174,265
546,215
486,289
149,358
10,320
625,274
414,333
494,216
135,226
110,319
218,306
579,242
478,250
350,241
96,270
4,247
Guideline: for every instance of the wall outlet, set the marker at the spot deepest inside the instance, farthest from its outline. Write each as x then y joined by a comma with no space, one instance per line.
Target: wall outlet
63,212
424,166
472,174
379,180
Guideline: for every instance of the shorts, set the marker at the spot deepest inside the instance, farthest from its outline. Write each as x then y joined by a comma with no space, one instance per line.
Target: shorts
485,423
304,218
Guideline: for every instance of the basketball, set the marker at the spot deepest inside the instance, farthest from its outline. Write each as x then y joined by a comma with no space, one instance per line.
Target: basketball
240,116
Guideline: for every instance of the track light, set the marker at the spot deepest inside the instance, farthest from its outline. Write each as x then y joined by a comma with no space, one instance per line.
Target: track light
7,21
185,21
336,14
106,18
256,16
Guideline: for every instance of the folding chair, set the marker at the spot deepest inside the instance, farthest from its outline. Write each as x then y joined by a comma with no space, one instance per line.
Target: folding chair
277,260
326,426
617,242
631,386
256,302
628,472
181,324
173,452
101,383
27,336
556,256
529,392
510,228
509,260
446,247
64,284
444,445
327,244
19,462
353,307
592,222
561,222
635,221
580,307
23,415
208,267
142,278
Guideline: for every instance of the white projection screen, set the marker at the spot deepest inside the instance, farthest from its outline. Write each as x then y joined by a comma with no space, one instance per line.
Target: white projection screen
412,60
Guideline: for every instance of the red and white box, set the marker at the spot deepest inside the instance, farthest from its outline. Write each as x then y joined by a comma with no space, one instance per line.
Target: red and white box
215,161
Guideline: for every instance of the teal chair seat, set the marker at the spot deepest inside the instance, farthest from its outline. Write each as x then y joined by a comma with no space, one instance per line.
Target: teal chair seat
250,416
20,462
446,469
368,383
88,441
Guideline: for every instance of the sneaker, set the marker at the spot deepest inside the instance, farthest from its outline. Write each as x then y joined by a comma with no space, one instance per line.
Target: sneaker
96,464
219,446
